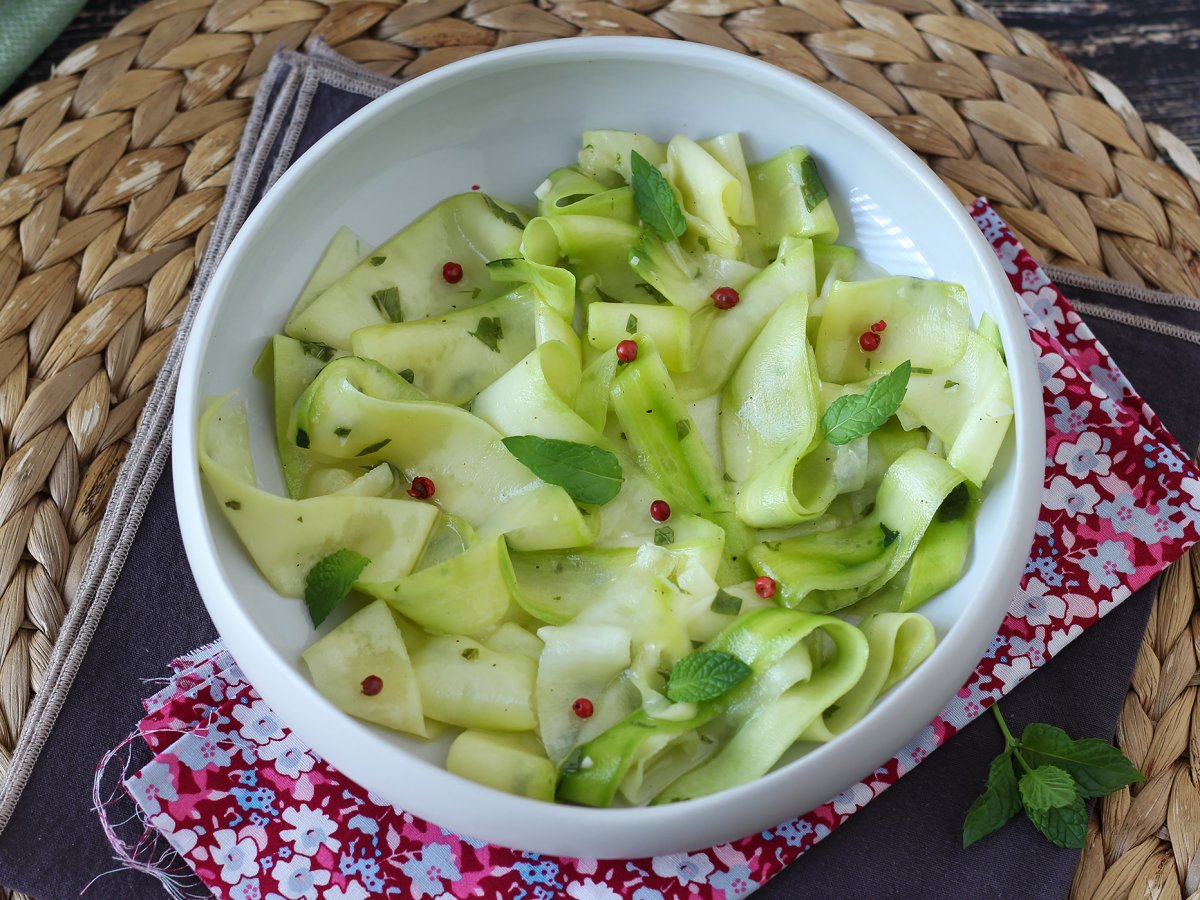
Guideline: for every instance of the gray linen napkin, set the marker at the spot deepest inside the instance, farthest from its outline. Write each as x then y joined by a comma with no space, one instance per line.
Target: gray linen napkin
140,609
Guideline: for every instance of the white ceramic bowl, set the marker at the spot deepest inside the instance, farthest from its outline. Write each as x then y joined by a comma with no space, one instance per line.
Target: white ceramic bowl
503,120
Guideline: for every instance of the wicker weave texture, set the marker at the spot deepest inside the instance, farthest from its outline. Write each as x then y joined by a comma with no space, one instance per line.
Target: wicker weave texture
112,172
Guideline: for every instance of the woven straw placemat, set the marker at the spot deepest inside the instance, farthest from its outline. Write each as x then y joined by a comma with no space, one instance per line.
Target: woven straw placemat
112,173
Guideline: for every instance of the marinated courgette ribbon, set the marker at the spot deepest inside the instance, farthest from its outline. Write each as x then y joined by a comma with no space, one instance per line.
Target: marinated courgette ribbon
285,537
828,570
346,414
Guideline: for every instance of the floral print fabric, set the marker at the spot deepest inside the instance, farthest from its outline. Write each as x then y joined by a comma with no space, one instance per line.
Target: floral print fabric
257,814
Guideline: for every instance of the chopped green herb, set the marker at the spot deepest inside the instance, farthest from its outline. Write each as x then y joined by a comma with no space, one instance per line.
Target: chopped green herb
318,351
654,292
342,432
889,536
682,429
470,653
388,301
664,536
475,292
373,448
955,504
301,438
703,242
490,332
812,186
233,504
949,385
921,370
408,375
726,604
378,260
504,215
631,324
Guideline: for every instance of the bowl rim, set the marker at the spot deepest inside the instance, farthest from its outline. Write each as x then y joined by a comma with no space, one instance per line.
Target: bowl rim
620,832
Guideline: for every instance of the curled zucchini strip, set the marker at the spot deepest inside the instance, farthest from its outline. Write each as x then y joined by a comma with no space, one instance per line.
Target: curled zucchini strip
733,330
727,150
596,250
897,643
534,397
671,327
778,709
286,538
593,772
790,198
927,324
476,477
671,452
828,570
770,414
569,192
711,195
401,280
969,406
606,155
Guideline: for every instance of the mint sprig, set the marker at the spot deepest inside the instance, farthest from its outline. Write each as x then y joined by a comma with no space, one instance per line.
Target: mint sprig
704,675
589,474
854,415
330,580
1057,774
654,199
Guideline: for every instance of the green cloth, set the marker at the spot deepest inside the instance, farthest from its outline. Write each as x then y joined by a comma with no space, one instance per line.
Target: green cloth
27,27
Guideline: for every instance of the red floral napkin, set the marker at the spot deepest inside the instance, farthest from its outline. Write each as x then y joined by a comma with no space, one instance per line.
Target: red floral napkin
257,814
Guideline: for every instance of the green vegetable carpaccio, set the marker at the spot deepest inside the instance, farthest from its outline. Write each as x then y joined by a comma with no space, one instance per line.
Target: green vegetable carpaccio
635,487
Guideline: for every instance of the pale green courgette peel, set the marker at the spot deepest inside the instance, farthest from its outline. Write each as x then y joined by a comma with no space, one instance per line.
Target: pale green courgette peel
636,489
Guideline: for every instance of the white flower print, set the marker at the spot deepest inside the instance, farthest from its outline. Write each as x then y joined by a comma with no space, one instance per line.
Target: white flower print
238,859
1012,674
289,755
258,722
1062,637
1035,605
591,890
685,868
1073,499
1049,366
297,880
310,829
852,798
1083,456
353,891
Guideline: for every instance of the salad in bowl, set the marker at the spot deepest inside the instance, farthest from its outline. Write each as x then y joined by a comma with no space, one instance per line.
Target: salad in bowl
623,495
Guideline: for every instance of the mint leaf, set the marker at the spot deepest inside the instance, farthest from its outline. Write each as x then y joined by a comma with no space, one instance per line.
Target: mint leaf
373,448
1098,767
378,260
1065,826
1046,787
812,185
664,536
589,474
388,301
704,675
490,331
330,580
999,802
655,201
631,324
854,415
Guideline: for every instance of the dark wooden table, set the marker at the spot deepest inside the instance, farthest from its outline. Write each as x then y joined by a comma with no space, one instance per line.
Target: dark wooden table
1149,48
